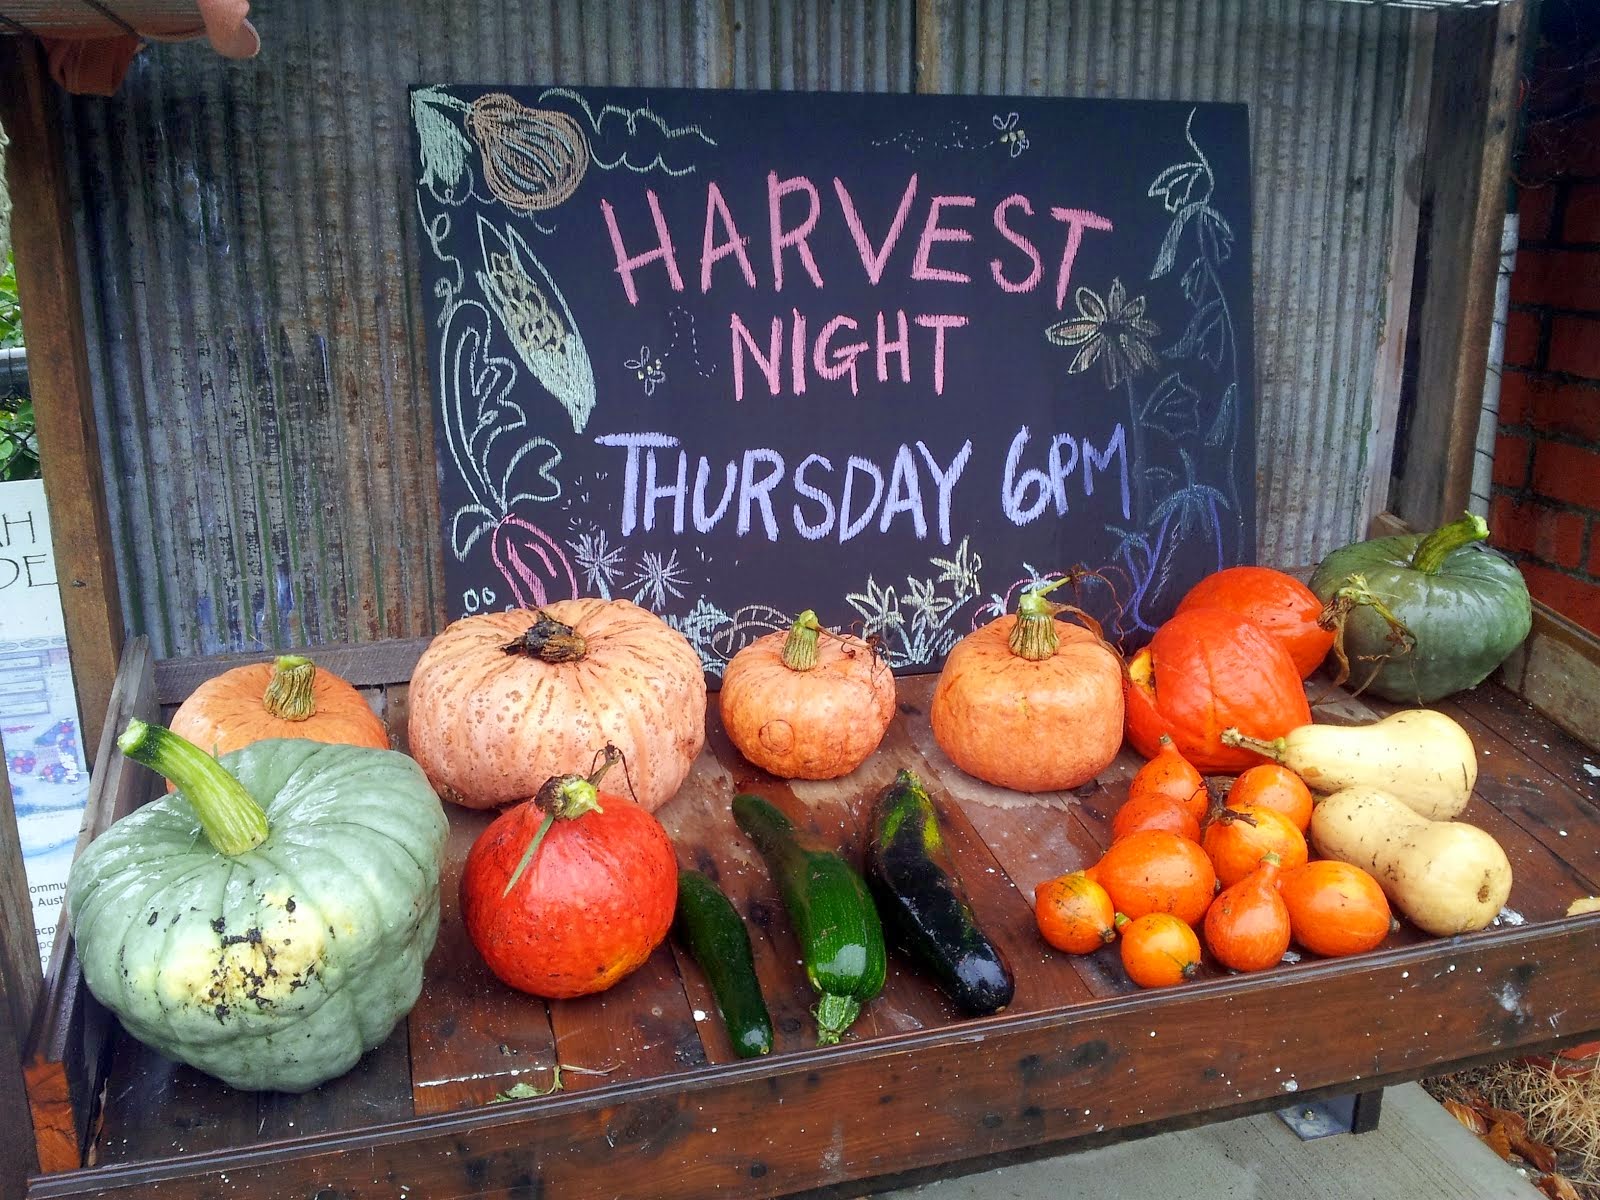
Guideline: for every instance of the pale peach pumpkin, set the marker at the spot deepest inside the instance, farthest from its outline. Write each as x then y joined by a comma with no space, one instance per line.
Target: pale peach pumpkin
287,698
1030,703
502,701
807,704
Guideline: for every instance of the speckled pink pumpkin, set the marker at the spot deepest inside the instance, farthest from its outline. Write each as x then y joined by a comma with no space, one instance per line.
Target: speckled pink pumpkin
502,701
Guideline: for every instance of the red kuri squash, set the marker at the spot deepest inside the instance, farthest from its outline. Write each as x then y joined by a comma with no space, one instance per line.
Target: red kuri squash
502,701
569,892
1282,605
1205,670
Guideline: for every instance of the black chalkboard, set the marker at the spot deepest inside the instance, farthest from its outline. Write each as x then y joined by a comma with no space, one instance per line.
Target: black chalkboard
906,354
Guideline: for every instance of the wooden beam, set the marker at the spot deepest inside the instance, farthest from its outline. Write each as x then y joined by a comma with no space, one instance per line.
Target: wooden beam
1471,126
58,369
19,996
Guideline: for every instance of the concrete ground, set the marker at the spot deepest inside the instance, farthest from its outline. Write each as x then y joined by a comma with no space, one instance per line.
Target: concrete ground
1418,1152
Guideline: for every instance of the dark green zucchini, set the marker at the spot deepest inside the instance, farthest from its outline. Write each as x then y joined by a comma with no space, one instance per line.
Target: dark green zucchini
924,907
711,929
841,940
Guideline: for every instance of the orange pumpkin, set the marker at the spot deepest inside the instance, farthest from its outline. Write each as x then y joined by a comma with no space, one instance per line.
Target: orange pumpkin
1030,703
1275,787
1239,838
1335,908
1170,776
1074,913
287,698
802,706
1206,670
1247,926
1153,870
502,701
1158,950
1280,604
1154,812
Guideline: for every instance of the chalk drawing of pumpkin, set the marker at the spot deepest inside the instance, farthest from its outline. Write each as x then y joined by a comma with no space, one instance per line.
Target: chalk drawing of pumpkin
533,158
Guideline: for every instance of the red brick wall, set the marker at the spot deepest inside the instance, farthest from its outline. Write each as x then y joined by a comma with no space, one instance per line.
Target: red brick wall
1546,498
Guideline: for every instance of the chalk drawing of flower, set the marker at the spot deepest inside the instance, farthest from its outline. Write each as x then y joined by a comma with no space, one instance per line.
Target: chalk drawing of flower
962,570
599,564
1113,330
878,606
924,601
648,370
658,577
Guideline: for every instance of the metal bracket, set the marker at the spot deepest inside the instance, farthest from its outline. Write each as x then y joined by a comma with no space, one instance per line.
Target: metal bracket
1357,1113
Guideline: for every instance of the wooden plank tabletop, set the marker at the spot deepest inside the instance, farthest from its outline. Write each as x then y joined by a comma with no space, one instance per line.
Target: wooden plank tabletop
1080,1054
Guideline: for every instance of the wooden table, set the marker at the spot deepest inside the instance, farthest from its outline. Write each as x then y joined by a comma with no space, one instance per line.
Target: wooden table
654,1104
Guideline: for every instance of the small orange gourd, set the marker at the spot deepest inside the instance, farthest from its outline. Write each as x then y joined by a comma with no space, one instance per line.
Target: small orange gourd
1173,777
1028,702
1157,871
287,698
1275,787
802,706
1154,812
1335,908
1239,838
1158,950
1074,913
1247,926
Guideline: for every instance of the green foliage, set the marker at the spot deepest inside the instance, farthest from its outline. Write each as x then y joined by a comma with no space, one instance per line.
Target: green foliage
10,310
19,451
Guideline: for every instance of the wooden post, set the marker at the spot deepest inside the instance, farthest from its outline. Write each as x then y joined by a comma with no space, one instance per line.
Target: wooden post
19,995
1470,131
58,370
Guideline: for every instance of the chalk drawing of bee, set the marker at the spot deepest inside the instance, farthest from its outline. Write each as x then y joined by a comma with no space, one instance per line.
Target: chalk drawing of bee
1011,134
648,370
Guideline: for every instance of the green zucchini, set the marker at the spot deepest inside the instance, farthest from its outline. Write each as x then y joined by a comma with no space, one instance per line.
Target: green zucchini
711,930
841,940
924,907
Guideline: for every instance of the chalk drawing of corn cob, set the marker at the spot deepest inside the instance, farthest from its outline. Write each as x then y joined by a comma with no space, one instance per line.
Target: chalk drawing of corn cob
537,320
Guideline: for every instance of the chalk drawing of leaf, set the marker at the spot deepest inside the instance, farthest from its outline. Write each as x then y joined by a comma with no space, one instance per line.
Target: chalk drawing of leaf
1216,239
1222,425
545,486
1207,333
474,386
1196,282
468,525
1173,408
442,146
546,339
1168,253
1177,183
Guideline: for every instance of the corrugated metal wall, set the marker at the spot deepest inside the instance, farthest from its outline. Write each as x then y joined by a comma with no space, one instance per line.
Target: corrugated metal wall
255,332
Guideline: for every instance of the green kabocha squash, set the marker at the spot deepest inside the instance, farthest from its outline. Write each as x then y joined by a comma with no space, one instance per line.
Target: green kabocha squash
1418,617
267,922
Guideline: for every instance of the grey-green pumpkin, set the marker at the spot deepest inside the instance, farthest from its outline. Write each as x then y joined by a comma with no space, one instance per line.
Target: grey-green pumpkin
267,923
1424,616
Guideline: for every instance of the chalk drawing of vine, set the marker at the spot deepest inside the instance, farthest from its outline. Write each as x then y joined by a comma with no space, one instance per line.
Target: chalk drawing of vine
638,123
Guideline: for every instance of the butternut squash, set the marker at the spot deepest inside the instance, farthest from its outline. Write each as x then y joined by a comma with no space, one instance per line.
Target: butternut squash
1446,877
1420,757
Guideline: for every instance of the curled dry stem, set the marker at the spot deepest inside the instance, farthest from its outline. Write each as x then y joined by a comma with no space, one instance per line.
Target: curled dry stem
1336,616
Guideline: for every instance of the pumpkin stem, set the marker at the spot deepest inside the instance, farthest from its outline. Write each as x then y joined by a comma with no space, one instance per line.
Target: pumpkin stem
548,640
230,817
834,1015
800,647
1274,749
564,798
1444,541
1034,636
290,694
1335,615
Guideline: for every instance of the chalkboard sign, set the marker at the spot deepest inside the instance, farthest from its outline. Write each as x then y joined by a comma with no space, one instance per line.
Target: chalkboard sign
895,358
